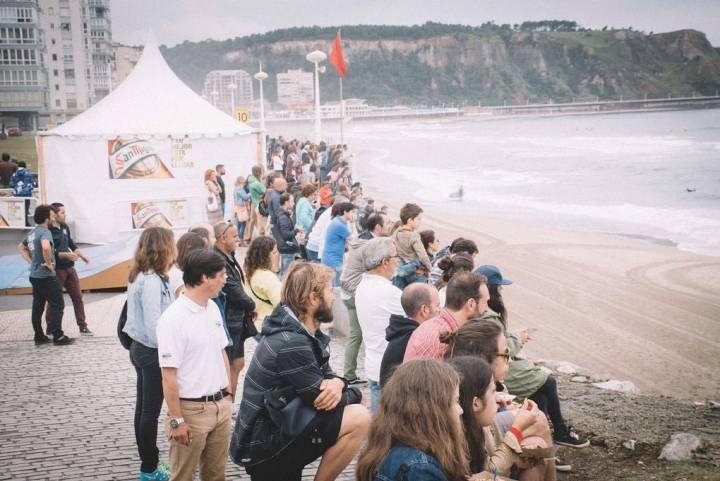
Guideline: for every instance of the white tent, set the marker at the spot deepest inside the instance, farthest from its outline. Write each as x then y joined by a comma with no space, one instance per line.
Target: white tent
137,157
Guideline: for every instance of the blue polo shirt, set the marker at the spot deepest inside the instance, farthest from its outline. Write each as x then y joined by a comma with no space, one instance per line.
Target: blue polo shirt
337,233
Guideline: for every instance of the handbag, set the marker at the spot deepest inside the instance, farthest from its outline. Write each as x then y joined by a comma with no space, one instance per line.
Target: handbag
242,213
288,412
125,340
212,203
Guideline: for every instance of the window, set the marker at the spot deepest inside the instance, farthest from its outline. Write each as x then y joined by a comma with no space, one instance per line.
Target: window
57,103
52,26
69,73
71,103
19,35
51,11
11,78
57,87
10,56
55,72
53,41
65,26
54,57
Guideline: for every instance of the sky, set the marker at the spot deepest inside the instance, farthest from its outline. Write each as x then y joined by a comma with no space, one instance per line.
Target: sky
174,21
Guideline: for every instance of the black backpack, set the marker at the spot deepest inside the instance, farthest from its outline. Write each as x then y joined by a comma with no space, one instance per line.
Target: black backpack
125,340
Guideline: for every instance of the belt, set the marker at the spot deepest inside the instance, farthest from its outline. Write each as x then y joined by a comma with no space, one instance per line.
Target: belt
209,398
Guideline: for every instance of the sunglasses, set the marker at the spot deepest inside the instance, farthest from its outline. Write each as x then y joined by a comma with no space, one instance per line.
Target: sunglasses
505,354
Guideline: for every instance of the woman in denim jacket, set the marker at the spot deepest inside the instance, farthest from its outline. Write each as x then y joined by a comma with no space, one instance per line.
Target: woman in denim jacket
417,433
148,296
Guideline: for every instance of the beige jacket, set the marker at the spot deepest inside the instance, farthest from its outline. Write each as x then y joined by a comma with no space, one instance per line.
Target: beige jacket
503,452
410,246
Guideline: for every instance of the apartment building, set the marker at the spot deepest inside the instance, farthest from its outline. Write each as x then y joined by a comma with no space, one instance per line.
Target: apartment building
125,58
223,87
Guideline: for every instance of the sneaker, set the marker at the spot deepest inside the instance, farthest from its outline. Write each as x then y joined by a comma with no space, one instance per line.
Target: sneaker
562,467
572,439
63,340
41,340
356,382
162,473
84,331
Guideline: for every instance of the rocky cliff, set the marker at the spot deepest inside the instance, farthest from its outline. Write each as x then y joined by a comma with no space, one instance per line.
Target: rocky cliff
460,64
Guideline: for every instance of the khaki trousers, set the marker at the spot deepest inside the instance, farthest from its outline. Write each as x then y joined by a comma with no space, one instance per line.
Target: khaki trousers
210,433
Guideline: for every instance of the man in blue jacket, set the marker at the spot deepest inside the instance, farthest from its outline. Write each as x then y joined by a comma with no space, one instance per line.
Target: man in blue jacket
293,358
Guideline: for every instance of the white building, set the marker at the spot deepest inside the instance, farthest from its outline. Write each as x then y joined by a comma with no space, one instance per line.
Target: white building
295,89
78,54
124,59
217,91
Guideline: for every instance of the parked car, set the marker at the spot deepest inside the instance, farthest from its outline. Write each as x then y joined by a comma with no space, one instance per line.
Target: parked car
14,132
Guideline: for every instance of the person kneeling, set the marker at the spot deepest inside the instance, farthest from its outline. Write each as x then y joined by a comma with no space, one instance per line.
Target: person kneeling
294,408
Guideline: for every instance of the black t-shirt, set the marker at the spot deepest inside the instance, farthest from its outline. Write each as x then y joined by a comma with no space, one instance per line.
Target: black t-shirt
221,183
63,243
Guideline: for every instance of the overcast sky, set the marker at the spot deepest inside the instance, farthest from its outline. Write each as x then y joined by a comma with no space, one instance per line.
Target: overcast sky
174,21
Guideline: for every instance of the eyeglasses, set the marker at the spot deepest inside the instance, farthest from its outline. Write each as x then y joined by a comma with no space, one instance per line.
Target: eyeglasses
227,227
505,354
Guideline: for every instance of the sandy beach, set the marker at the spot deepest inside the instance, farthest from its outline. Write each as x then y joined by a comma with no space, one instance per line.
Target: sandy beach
628,308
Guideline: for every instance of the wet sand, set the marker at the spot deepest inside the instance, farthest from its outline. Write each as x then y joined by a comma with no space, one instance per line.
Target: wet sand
628,308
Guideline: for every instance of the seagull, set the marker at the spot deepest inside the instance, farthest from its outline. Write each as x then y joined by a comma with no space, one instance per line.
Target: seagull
690,189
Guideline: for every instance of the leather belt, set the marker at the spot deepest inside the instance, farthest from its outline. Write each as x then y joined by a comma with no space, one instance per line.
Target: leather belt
218,396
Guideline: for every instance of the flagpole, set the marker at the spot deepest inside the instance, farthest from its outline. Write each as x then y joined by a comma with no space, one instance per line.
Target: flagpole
342,113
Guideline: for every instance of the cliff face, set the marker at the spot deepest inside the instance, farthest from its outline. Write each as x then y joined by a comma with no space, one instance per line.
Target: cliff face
487,67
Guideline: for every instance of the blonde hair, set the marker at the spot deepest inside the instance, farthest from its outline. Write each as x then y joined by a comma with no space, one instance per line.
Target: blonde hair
155,252
417,408
301,280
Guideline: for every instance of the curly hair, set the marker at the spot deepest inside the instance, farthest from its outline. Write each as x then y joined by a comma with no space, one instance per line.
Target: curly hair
451,265
155,252
258,255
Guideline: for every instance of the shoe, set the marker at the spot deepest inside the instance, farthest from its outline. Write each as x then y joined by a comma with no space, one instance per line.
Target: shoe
162,473
356,382
572,439
561,466
41,340
63,340
84,331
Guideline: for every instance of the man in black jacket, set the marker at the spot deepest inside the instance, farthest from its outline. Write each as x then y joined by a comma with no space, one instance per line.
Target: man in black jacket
279,186
285,233
239,307
293,358
420,303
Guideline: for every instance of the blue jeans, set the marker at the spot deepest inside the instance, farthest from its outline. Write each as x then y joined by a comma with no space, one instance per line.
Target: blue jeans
374,395
312,256
285,260
338,274
406,274
241,229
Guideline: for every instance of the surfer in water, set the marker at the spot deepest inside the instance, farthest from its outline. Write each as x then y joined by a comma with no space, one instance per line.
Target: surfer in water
457,195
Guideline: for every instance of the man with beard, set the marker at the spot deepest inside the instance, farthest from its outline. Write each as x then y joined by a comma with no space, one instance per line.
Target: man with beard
291,362
466,298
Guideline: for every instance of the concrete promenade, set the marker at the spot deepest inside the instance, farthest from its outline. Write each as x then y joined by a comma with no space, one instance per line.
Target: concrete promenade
67,412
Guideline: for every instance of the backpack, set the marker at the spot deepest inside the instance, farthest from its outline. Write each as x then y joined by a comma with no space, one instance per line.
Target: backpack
125,340
263,208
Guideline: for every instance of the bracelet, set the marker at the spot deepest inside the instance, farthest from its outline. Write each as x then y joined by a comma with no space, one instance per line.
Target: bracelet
517,433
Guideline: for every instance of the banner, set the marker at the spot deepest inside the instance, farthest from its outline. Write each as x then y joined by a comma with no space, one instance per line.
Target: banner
135,159
160,213
12,211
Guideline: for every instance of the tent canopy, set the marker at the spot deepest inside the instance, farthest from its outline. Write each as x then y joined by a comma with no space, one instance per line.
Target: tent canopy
151,102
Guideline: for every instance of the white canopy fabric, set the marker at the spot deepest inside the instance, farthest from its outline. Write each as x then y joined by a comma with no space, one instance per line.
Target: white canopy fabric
151,102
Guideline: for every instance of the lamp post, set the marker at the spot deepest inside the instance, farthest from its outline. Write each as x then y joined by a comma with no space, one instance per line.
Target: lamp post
232,88
316,57
260,76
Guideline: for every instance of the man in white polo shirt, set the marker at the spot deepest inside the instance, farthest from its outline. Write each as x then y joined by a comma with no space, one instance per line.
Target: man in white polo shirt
195,371
376,299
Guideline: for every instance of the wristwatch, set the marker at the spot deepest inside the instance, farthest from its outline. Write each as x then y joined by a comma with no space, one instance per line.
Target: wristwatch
175,422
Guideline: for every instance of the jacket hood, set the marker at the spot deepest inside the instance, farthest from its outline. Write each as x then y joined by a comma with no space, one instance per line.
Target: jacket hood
399,325
356,242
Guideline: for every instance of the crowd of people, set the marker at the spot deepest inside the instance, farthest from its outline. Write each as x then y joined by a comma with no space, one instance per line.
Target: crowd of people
451,395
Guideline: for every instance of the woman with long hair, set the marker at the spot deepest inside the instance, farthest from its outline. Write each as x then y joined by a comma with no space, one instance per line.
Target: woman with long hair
416,433
484,339
149,295
187,243
262,263
212,204
450,266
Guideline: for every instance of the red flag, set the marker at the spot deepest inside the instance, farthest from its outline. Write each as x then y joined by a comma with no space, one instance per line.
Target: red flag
336,56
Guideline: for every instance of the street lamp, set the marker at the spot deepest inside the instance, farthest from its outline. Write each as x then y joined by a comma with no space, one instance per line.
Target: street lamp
260,76
316,57
232,88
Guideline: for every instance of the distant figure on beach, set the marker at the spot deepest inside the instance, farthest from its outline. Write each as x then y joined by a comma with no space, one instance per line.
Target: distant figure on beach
691,189
458,195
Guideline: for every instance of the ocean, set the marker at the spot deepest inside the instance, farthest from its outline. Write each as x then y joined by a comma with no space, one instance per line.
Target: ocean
653,175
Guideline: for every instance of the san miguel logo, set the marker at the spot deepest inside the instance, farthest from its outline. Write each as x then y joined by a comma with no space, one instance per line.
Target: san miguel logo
135,159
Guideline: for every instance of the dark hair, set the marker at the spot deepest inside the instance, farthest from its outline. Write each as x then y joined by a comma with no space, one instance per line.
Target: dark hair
452,265
427,237
219,165
476,376
57,205
5,157
187,243
42,213
22,164
199,263
496,302
463,286
341,208
409,211
308,190
284,198
258,255
477,337
202,232
463,245
373,221
414,296
155,252
256,171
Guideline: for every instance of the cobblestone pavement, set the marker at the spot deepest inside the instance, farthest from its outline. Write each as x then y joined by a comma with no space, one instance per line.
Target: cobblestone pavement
66,412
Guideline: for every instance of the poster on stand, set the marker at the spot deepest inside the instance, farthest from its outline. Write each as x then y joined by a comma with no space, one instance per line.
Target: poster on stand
167,213
12,212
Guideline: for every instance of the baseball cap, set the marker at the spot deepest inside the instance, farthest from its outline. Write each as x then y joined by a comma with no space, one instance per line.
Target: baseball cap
493,275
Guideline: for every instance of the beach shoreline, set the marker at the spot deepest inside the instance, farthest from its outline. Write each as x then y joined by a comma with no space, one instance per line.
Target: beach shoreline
626,307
